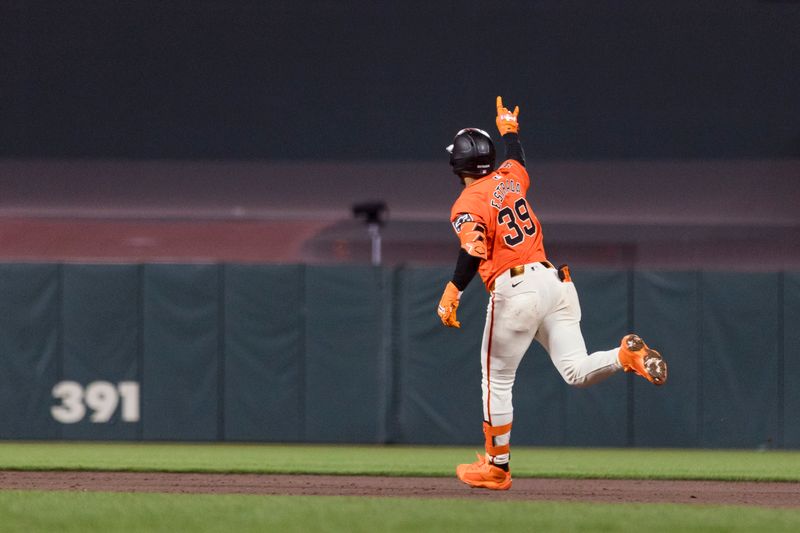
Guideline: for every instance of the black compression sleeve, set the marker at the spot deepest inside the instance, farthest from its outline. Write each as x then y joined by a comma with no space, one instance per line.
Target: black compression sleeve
466,268
514,148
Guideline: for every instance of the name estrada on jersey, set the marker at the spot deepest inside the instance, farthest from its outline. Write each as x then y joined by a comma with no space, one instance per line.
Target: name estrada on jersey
494,221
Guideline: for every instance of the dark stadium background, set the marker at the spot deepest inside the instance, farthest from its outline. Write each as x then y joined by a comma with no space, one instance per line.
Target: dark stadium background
176,185
659,134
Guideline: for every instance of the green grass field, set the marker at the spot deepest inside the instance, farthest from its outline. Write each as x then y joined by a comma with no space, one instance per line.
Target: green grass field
104,512
401,460
96,512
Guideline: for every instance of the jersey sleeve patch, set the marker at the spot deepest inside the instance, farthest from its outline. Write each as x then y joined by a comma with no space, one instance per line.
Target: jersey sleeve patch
458,223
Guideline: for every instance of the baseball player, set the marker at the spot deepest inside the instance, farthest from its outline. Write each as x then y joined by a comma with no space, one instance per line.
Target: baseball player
501,239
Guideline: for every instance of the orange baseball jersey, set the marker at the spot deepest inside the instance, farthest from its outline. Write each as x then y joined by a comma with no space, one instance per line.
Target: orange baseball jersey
513,233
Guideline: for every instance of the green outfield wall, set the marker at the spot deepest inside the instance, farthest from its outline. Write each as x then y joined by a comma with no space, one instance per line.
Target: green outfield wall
296,353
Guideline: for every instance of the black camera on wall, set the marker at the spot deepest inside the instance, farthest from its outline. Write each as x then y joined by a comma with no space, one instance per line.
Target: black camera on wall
371,212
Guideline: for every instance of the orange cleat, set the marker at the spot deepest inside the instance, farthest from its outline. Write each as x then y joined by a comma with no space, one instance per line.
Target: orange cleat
481,474
635,356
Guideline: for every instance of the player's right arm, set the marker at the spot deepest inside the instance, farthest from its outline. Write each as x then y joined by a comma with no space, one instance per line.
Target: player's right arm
471,232
508,126
466,268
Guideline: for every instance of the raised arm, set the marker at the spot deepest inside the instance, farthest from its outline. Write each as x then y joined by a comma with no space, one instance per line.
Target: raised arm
508,126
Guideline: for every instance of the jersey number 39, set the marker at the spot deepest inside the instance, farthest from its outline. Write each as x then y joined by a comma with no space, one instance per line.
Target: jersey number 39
513,218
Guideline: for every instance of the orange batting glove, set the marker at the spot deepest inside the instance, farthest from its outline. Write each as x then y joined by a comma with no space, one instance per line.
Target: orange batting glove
506,120
448,305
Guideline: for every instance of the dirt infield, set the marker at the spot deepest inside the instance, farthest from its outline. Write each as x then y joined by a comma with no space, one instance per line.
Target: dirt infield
567,490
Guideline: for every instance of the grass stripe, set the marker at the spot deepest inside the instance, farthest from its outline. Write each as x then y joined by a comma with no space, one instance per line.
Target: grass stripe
87,512
400,460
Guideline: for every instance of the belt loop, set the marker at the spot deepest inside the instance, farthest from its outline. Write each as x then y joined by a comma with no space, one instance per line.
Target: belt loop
563,273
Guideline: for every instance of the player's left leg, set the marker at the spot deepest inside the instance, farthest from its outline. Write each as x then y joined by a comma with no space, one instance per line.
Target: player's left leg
560,335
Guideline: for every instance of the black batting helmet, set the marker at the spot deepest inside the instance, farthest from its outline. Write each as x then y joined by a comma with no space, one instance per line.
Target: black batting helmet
472,153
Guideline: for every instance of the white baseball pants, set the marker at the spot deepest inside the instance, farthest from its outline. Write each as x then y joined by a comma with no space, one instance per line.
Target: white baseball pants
534,305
